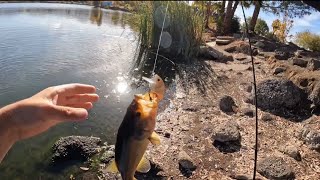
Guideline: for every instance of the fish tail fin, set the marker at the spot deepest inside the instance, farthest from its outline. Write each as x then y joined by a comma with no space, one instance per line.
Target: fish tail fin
144,165
112,167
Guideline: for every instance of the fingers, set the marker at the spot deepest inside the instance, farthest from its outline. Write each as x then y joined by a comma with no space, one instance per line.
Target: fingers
82,98
64,113
87,105
72,89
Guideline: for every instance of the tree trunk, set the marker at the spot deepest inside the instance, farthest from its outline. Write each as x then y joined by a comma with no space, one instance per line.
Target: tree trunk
221,17
255,16
231,8
208,15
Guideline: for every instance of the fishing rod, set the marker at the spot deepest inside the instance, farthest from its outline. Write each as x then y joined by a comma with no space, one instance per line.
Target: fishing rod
255,96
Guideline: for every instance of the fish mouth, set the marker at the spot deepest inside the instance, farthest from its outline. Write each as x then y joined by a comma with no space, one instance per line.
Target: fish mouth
151,81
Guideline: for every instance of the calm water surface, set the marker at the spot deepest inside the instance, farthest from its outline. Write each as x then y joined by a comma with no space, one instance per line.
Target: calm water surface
43,45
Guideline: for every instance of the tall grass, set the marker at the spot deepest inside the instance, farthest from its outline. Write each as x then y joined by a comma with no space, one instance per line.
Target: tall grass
185,27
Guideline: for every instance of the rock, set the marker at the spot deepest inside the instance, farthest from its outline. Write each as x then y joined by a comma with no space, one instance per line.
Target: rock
240,56
313,65
314,96
226,131
275,168
107,156
186,163
223,41
227,104
248,112
311,136
167,135
300,53
281,55
266,117
279,70
249,88
276,94
259,44
291,151
249,100
218,53
299,62
75,147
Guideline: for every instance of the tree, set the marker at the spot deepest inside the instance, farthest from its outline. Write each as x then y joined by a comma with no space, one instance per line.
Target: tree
314,4
281,29
308,40
255,15
260,28
231,8
290,8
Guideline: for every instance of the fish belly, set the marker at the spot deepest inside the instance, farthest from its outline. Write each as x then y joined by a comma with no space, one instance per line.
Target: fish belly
132,153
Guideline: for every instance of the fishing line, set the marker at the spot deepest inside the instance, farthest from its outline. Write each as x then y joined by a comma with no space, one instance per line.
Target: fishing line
164,20
255,96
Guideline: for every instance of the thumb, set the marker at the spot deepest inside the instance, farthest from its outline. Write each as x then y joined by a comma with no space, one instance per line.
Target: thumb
64,113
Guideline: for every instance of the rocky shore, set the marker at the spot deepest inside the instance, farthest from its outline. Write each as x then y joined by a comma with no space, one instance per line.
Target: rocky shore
208,130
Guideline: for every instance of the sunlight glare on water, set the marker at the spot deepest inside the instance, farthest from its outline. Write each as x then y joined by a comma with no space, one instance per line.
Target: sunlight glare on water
122,87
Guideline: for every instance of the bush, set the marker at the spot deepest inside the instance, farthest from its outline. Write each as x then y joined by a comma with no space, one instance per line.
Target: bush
308,40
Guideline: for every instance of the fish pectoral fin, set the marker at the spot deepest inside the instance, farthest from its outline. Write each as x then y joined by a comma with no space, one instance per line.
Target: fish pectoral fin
144,165
112,167
155,138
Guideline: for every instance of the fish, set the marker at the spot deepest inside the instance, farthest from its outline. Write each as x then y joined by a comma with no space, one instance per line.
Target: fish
137,131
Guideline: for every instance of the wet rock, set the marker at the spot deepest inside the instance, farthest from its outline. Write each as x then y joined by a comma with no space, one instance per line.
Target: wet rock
311,136
108,155
275,168
248,112
226,131
279,70
266,117
299,62
186,164
281,55
75,147
227,104
291,151
313,65
276,94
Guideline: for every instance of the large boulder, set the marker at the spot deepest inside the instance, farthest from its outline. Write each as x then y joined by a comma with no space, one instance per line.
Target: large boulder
75,148
278,94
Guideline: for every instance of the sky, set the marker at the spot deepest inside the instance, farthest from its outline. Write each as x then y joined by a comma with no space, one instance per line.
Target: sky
308,22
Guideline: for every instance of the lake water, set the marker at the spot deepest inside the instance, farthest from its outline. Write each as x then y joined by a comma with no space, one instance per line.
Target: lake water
44,45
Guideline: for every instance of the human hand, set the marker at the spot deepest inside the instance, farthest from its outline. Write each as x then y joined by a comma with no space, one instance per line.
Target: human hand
49,107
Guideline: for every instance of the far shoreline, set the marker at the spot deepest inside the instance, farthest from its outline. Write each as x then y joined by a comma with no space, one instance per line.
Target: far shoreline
70,2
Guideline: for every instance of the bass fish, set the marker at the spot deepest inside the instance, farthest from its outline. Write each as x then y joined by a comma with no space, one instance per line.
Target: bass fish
136,131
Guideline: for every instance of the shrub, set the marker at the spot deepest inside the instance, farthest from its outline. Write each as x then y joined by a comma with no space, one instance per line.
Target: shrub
308,40
235,25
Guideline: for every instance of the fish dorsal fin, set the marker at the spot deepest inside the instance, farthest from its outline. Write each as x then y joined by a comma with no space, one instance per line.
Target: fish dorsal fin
112,167
144,165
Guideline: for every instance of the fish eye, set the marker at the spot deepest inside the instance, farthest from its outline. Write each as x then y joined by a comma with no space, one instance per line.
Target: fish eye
138,114
158,79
